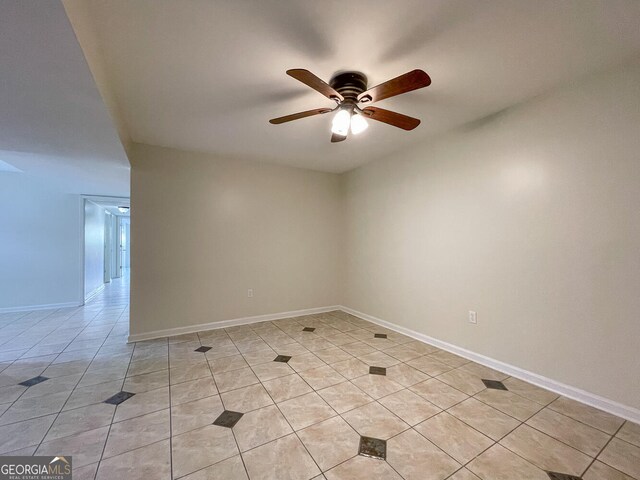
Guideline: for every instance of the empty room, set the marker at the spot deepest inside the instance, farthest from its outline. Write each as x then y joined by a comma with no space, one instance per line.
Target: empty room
320,240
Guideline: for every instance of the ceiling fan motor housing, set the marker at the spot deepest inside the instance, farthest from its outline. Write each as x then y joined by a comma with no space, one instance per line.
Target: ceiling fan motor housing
349,85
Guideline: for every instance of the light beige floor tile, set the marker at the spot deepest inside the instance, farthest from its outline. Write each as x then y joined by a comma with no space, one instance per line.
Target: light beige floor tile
77,367
406,375
152,461
374,420
601,471
576,434
584,413
271,370
454,437
421,347
376,386
280,459
379,359
53,386
195,414
463,380
88,472
357,348
524,389
85,447
83,396
23,434
404,353
245,399
498,463
330,442
449,358
304,362
11,393
351,368
484,418
137,432
483,372
242,377
429,365
229,469
80,420
321,377
416,458
192,390
200,448
146,382
27,408
344,396
227,364
149,365
306,410
363,468
463,474
259,427
509,403
630,432
409,406
142,403
622,456
189,372
221,351
438,393
546,452
260,356
288,387
333,355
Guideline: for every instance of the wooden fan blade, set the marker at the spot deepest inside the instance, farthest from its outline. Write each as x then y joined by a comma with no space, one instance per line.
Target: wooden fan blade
392,118
308,78
296,116
337,138
404,83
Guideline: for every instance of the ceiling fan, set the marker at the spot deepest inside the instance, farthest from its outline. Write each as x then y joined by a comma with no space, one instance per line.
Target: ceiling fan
349,91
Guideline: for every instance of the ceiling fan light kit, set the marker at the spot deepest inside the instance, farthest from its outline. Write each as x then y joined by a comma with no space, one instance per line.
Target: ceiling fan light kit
349,91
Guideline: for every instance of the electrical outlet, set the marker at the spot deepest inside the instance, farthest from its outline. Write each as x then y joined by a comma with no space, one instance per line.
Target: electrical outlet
473,317
250,293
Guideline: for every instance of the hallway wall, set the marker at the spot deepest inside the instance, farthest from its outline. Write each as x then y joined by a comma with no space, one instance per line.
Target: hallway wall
40,235
205,229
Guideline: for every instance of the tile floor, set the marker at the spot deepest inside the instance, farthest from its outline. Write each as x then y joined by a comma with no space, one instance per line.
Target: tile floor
320,396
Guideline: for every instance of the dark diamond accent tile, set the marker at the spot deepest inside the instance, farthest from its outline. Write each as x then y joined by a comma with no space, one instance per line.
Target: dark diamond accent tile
377,370
202,349
308,329
562,476
380,335
33,381
496,385
282,358
119,397
373,447
228,419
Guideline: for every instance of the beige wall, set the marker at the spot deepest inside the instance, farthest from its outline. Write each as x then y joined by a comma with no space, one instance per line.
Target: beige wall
532,219
206,229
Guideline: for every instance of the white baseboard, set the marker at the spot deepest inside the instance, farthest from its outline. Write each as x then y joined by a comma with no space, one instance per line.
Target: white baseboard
591,399
95,292
48,306
170,332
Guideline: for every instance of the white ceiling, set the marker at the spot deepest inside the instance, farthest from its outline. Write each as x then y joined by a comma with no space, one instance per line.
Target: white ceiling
206,75
53,123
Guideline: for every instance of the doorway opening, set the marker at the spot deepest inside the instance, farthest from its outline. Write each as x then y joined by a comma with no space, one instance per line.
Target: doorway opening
107,244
